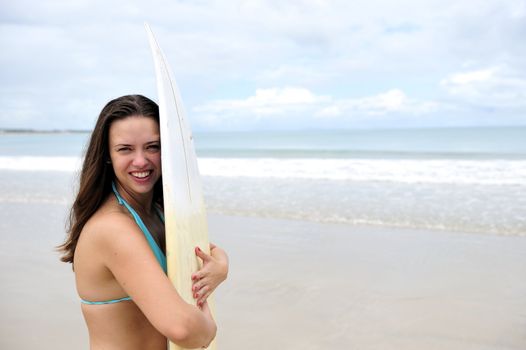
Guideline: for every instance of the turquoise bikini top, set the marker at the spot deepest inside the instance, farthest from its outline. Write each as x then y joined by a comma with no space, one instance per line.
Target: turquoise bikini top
159,255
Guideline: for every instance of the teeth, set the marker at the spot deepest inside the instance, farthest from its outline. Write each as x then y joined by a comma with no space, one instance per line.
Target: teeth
141,174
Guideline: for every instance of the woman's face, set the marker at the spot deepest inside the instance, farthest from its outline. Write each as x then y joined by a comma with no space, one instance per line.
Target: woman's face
135,152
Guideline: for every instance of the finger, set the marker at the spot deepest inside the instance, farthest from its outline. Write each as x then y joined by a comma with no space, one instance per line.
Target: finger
205,257
196,276
196,287
201,293
202,298
196,296
199,275
200,284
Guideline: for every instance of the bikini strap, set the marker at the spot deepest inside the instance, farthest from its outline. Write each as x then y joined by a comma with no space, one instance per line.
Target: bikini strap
161,258
104,302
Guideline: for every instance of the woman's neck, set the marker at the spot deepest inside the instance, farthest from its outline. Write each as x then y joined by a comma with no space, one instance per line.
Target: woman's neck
142,203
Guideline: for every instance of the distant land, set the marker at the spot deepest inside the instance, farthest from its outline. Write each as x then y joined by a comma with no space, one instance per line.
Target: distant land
280,131
34,131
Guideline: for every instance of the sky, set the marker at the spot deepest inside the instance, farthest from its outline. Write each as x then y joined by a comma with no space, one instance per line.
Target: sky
273,65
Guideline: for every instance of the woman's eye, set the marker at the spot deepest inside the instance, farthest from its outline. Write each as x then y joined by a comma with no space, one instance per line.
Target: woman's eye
154,147
123,149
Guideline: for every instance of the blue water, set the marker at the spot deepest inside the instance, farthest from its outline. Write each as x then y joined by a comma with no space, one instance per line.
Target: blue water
498,142
456,179
45,144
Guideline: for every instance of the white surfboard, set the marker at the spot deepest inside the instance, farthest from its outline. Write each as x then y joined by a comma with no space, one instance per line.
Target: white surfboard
184,208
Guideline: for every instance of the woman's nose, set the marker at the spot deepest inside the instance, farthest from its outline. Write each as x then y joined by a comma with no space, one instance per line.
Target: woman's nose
140,160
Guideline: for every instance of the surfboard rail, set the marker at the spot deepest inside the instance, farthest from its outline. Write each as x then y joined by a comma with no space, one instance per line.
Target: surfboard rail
184,208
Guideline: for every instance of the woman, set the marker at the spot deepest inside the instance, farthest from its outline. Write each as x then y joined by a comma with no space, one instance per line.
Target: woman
116,240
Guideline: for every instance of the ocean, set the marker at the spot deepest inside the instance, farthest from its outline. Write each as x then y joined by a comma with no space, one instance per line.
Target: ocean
455,179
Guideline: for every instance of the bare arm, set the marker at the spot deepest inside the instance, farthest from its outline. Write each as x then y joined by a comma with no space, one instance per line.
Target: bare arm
128,256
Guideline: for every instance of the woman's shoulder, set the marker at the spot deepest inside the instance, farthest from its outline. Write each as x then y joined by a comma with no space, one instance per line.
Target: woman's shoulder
109,222
107,232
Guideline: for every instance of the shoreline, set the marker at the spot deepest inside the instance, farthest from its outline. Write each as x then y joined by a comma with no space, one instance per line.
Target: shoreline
372,226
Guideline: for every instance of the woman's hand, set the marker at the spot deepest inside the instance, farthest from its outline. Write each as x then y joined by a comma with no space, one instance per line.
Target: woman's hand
213,272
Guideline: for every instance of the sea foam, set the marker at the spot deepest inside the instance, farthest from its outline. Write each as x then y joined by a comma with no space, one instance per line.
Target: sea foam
440,171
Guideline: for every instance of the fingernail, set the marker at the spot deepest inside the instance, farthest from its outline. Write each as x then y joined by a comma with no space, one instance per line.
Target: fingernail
195,295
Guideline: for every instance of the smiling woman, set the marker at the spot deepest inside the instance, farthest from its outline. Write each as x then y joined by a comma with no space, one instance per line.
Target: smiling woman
135,153
116,240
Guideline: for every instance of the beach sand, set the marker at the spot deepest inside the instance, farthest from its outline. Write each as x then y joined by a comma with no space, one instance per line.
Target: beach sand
294,285
301,285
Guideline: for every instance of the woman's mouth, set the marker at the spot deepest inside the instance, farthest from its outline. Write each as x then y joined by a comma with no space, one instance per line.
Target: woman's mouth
141,174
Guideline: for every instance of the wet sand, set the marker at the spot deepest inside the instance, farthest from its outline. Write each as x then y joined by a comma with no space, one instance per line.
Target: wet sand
300,285
296,285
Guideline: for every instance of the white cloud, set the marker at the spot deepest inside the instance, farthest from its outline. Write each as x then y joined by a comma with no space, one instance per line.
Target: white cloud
389,102
353,51
496,87
298,103
273,101
467,78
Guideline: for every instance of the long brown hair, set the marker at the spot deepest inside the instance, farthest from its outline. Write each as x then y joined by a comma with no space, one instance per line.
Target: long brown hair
97,173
